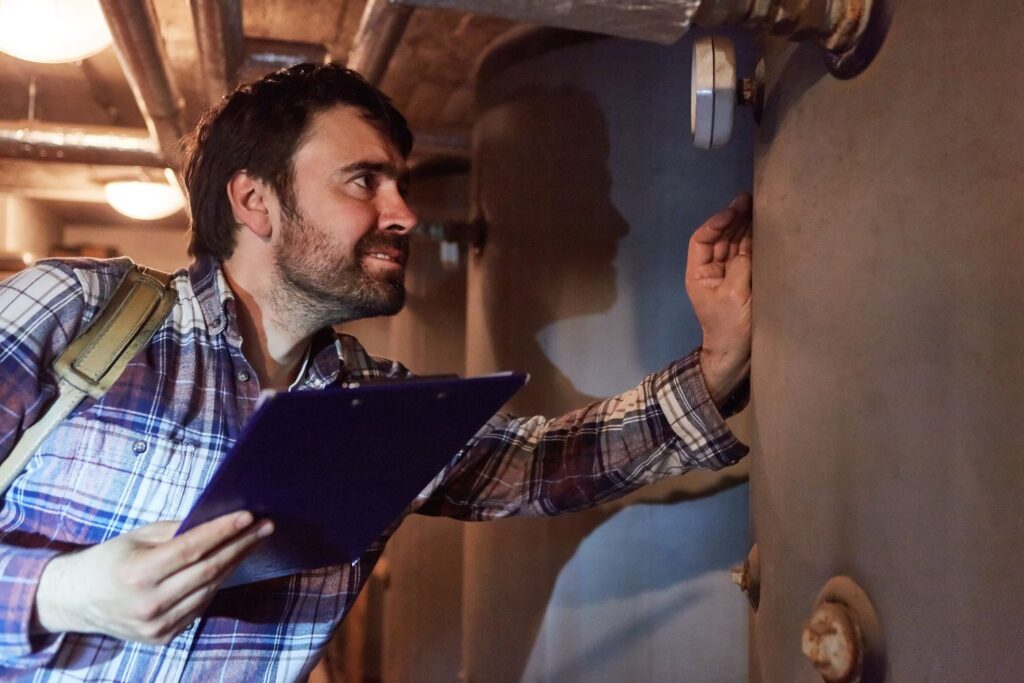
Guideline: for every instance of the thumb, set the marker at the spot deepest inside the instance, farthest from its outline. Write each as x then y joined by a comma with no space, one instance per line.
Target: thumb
737,274
157,532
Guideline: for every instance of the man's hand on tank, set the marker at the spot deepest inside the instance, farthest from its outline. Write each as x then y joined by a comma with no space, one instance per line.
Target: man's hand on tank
718,269
146,585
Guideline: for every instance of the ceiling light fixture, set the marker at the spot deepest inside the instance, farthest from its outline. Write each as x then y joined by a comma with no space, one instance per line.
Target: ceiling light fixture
145,201
52,31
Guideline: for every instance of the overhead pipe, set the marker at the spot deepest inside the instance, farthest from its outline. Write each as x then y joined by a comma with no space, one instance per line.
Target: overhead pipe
660,21
140,49
228,57
380,31
838,23
265,55
218,26
144,61
442,142
78,144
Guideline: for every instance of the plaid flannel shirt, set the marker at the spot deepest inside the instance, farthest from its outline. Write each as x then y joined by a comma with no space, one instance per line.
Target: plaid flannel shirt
147,449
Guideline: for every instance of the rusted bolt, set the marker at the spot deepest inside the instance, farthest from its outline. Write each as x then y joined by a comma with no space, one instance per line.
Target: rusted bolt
748,577
848,19
833,643
738,574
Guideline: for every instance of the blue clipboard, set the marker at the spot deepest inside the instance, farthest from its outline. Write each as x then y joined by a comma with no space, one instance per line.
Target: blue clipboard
335,468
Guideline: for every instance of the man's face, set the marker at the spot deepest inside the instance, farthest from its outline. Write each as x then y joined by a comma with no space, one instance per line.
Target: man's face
343,245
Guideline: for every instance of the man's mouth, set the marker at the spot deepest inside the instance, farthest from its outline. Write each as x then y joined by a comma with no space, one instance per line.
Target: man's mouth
390,249
391,257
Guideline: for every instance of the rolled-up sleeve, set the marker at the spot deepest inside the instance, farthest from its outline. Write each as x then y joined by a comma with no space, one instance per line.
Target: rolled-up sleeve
666,425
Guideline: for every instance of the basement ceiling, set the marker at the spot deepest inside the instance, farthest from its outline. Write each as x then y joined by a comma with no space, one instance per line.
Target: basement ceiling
428,77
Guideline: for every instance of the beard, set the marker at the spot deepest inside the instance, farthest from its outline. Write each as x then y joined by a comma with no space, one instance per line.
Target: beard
325,283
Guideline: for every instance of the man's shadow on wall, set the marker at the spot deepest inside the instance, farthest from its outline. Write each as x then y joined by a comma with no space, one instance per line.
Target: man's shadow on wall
543,187
543,190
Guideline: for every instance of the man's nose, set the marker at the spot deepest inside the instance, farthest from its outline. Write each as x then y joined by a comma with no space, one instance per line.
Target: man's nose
396,215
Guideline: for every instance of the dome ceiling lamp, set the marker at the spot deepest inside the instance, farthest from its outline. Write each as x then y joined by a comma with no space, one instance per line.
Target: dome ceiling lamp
144,199
52,31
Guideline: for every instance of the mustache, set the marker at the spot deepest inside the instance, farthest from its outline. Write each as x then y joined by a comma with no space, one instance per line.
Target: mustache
383,241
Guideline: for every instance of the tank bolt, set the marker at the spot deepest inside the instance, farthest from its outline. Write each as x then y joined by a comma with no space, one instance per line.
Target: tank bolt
748,577
832,641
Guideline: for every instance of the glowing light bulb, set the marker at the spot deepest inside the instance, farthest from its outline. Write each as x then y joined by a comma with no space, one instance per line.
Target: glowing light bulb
143,200
52,31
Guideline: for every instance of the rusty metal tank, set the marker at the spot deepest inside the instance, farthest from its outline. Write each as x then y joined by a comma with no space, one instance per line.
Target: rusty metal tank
888,386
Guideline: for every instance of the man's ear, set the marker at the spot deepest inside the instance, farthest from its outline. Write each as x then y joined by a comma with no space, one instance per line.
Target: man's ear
251,203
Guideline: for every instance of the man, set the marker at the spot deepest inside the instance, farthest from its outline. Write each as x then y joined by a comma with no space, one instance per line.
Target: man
298,223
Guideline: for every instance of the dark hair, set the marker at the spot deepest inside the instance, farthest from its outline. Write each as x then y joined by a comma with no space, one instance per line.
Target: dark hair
257,129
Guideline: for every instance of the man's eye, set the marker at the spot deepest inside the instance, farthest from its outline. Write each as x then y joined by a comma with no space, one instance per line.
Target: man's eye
367,181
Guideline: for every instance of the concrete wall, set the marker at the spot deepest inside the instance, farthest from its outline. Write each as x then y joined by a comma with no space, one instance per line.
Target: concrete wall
27,227
161,248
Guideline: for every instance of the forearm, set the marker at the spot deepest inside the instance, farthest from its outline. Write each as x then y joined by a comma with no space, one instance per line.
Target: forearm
725,374
54,609
536,466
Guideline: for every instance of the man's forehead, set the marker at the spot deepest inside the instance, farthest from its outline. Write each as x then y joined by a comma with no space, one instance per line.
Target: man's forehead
343,132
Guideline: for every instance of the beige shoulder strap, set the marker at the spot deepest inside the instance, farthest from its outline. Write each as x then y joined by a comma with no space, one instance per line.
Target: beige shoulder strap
95,359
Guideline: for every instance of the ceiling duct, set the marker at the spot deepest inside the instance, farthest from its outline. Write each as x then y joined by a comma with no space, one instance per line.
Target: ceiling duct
838,24
265,55
140,50
660,21
78,144
218,25
380,31
442,143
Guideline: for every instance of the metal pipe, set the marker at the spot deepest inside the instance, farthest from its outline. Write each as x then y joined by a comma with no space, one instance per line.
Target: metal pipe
439,142
660,21
140,50
78,144
839,23
264,56
218,25
380,31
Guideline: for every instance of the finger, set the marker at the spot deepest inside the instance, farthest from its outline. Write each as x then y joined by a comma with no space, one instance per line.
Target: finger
734,248
211,570
730,234
737,236
743,205
193,604
739,226
190,547
704,238
737,275
722,248
747,245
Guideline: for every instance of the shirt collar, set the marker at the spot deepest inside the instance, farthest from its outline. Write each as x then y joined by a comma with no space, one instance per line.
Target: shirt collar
214,296
327,358
211,290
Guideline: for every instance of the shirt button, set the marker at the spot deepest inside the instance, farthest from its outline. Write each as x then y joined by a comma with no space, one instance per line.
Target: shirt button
242,376
139,447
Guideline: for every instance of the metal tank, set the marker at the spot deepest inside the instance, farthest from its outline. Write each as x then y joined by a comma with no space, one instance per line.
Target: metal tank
888,385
